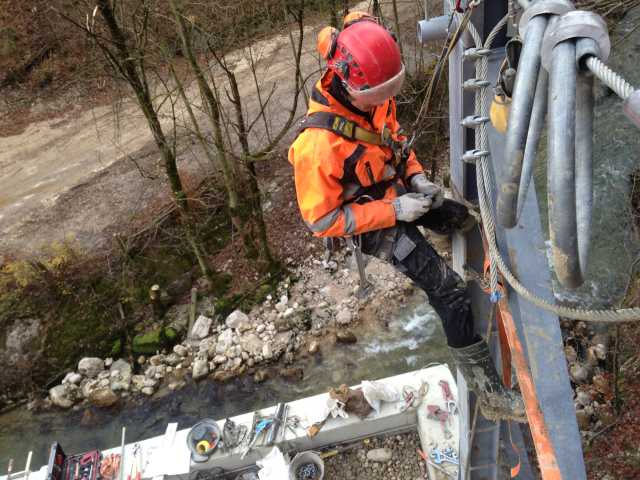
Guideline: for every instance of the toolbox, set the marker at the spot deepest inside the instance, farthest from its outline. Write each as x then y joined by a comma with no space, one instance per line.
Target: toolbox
83,466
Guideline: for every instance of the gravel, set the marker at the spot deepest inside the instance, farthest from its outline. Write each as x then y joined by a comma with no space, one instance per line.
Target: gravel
354,465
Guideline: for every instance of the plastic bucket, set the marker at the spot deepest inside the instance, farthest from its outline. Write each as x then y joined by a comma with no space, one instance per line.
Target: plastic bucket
303,459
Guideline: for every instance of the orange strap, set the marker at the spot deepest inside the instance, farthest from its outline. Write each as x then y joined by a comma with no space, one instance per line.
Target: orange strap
547,460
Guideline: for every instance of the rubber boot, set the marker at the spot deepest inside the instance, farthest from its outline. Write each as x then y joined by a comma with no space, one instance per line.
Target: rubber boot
496,401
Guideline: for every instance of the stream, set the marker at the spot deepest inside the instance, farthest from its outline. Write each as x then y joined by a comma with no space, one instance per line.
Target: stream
413,340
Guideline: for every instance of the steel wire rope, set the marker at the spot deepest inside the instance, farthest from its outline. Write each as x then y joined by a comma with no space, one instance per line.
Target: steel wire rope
483,179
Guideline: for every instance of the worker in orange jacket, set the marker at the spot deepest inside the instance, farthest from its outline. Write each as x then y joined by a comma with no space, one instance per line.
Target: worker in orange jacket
354,176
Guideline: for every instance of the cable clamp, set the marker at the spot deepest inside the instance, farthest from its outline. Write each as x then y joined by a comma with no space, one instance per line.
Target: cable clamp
470,156
476,53
474,121
475,84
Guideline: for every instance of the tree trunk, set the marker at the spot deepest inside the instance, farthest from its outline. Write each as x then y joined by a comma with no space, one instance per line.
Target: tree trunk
125,62
239,218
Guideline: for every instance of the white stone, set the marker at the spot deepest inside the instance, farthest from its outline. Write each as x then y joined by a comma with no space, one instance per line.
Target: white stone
108,362
200,369
90,366
225,341
381,455
267,351
218,359
59,397
180,350
73,378
260,328
238,320
201,327
288,312
344,317
102,397
148,391
120,375
156,360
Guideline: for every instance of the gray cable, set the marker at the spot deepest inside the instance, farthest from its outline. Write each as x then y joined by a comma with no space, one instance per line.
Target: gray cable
610,78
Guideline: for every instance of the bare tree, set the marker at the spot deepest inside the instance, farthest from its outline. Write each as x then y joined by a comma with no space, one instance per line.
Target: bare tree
127,51
242,185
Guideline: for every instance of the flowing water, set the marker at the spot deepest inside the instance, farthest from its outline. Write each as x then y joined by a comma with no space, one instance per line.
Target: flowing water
414,339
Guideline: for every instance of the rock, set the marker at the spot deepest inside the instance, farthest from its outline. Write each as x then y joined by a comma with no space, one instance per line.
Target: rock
267,350
200,369
583,398
260,328
102,397
282,340
141,360
251,344
90,366
176,385
156,360
73,378
261,375
149,383
346,336
238,320
155,371
219,359
173,359
137,381
578,373
148,391
225,341
600,351
379,455
602,384
344,317
314,347
223,376
180,350
120,376
288,312
292,374
23,337
60,397
282,325
201,328
583,418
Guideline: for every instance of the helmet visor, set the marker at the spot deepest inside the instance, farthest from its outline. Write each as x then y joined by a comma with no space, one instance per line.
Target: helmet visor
380,93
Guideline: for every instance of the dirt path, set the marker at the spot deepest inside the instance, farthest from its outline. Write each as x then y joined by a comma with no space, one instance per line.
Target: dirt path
74,178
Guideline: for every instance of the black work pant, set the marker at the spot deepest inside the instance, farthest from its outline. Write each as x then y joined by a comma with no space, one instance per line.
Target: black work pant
409,252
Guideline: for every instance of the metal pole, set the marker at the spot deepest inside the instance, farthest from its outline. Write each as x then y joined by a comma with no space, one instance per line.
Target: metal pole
538,114
519,119
561,172
584,161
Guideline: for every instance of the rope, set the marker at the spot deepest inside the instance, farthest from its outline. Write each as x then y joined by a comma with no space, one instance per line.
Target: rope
485,192
610,78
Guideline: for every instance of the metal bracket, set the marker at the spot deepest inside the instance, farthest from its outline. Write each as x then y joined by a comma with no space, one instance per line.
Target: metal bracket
476,53
475,84
474,121
470,156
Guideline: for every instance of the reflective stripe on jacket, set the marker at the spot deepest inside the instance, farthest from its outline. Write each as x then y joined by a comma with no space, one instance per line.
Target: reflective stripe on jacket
330,170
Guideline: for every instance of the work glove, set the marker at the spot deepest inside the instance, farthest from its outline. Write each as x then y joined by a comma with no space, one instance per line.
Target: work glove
420,184
411,206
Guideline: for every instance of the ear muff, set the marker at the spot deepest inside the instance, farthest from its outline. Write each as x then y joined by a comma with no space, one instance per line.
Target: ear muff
327,42
353,17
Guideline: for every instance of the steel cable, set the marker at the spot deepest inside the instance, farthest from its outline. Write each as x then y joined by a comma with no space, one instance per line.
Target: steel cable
610,78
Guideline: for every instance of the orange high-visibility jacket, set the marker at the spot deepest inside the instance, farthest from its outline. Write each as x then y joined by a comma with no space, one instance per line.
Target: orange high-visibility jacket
330,169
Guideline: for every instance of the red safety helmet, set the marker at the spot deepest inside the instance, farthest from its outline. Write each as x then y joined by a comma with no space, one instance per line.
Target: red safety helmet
366,56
